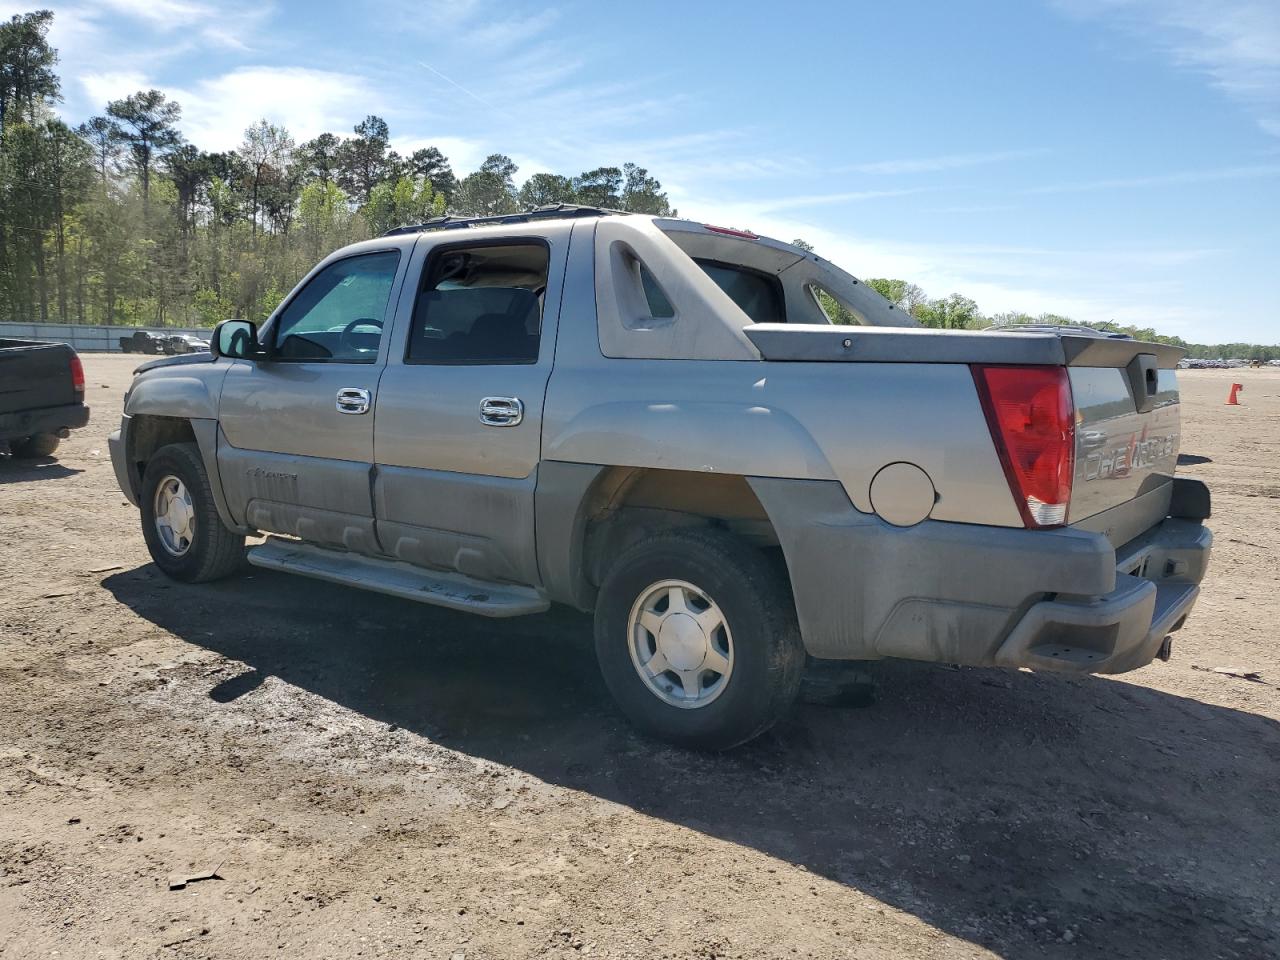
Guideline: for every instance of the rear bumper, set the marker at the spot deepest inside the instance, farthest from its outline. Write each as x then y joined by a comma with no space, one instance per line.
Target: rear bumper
984,596
1126,628
26,423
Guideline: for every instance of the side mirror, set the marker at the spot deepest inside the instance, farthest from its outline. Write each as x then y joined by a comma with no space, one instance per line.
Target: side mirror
235,339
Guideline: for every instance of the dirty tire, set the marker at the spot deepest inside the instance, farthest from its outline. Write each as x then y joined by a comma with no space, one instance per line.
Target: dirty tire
215,551
755,598
32,448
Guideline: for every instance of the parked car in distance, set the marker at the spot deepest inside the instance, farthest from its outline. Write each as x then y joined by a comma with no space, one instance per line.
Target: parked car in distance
140,341
41,396
656,420
143,341
181,343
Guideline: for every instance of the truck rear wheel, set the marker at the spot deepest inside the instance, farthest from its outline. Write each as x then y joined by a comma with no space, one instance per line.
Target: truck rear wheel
697,639
32,448
180,522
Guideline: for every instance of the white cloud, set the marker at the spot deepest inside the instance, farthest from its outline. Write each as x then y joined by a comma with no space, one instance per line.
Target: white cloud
1137,285
102,87
307,102
1235,43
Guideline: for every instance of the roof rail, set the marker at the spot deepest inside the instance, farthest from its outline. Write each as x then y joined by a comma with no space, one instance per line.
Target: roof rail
548,211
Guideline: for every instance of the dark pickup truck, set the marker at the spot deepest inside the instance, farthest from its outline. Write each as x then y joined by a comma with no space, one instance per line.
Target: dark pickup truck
41,396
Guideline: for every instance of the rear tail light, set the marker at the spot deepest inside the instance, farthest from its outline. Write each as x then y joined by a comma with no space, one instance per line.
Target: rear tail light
1032,421
77,373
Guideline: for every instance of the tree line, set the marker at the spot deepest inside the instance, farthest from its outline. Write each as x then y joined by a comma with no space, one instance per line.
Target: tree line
121,220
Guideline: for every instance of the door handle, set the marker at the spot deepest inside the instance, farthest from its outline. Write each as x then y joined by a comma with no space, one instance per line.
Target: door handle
501,411
353,400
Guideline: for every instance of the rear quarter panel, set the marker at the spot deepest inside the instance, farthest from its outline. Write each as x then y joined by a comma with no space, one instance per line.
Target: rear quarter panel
802,421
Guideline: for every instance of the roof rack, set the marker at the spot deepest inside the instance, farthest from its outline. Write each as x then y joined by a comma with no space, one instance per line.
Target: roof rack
548,211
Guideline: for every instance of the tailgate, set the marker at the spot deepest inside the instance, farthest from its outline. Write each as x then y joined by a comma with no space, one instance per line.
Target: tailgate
35,375
1127,434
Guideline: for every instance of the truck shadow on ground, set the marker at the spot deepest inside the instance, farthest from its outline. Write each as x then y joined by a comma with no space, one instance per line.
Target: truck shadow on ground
1035,815
25,471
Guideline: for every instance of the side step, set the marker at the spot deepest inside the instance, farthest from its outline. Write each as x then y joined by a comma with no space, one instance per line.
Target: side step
398,579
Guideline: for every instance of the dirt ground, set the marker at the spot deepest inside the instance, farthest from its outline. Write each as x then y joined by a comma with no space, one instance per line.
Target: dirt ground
369,777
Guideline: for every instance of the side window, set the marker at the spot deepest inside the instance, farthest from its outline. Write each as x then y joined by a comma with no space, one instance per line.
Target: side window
758,295
337,316
659,306
835,311
480,304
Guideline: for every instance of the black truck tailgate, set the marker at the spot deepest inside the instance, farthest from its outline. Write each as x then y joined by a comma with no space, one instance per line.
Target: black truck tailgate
35,375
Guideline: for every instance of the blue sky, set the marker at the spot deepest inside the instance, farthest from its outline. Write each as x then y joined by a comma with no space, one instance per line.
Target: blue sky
1105,159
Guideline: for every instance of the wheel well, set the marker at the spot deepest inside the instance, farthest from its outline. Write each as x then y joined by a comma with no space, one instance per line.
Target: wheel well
630,503
147,434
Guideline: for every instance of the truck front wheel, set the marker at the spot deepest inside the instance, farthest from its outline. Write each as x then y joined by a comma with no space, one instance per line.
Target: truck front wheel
180,522
697,639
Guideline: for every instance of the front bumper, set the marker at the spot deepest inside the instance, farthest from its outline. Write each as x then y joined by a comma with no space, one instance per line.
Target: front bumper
27,423
117,443
1060,599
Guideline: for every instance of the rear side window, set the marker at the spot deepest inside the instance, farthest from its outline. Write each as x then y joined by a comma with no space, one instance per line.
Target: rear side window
758,295
659,306
832,309
480,304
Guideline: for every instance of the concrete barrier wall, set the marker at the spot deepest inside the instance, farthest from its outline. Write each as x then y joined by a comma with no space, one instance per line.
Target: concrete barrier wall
90,339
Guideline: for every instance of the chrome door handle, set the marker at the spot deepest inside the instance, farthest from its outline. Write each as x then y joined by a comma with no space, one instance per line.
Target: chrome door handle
501,411
353,400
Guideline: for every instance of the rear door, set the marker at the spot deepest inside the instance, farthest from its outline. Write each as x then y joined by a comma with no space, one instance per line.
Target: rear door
296,449
458,433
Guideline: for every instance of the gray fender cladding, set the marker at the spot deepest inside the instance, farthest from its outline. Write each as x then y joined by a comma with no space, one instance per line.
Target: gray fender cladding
938,591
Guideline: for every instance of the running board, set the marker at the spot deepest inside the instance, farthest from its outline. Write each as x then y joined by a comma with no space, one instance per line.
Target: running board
452,590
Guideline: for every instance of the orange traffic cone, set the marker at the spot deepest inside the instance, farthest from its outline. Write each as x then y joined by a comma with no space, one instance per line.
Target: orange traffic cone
1231,399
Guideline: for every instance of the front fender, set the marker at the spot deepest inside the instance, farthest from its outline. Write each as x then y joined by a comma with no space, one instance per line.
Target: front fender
184,397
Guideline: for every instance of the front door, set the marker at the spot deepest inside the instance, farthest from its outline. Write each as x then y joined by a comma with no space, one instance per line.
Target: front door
296,448
458,434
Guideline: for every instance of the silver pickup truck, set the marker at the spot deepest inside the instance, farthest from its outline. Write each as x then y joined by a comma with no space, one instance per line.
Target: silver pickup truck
658,420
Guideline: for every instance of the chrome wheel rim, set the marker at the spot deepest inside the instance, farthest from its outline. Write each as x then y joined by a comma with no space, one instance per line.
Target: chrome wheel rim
680,644
175,517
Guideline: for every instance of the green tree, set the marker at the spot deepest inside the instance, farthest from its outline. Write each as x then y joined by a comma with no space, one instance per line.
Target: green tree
544,188
317,159
103,138
266,151
903,295
433,166
642,193
400,203
489,191
145,124
956,312
601,187
27,80
362,160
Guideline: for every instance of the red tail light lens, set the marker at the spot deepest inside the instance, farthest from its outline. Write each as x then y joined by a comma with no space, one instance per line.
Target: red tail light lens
731,232
1032,422
77,373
